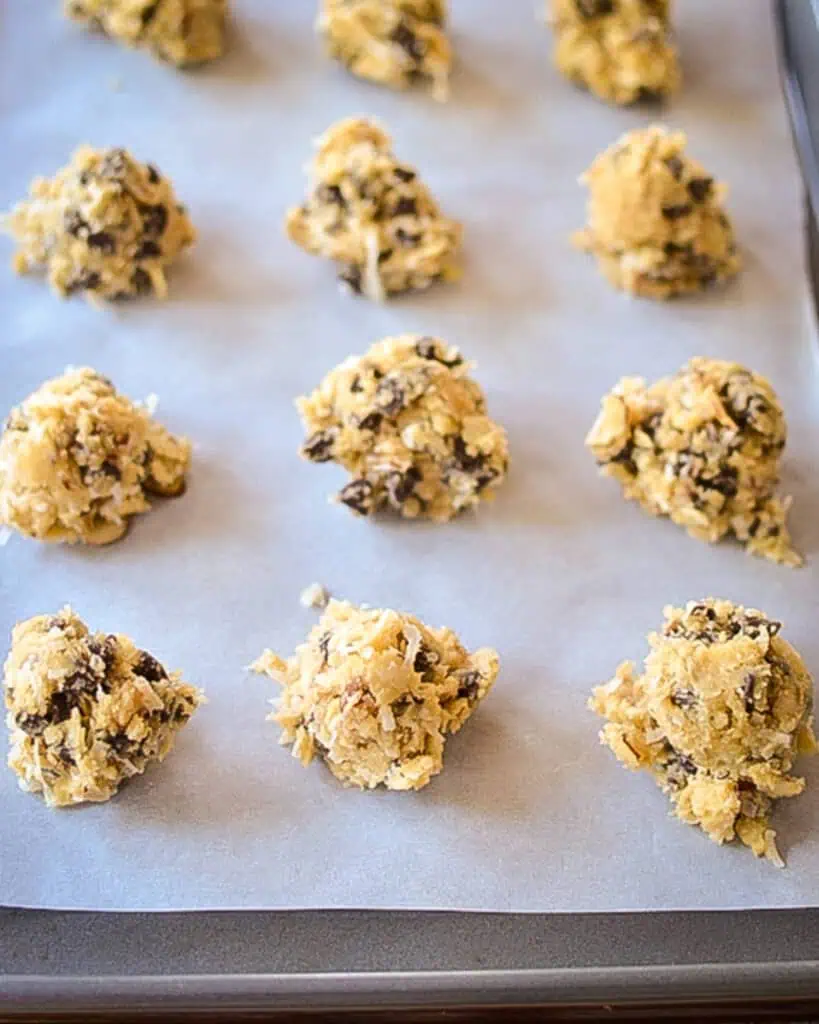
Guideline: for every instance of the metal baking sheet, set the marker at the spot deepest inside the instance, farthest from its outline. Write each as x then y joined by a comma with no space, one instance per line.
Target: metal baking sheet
562,576
78,961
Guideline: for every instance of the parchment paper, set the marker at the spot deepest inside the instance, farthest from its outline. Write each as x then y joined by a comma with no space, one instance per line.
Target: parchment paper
560,574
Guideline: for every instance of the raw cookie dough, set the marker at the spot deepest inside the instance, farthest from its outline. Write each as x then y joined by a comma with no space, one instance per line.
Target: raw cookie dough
718,717
376,692
702,447
87,711
77,460
621,50
373,215
178,31
410,426
655,220
393,42
106,225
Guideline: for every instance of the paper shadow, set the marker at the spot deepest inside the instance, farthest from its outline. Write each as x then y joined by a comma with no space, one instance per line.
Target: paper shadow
253,54
240,797
477,757
218,270
474,87
793,824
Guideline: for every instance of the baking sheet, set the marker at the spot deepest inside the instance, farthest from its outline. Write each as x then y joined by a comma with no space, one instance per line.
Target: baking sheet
560,574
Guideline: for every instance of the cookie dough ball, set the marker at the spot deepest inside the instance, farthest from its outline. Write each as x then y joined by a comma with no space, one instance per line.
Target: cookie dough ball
398,43
86,711
376,692
702,447
620,50
373,215
180,32
410,426
655,218
722,709
77,460
106,225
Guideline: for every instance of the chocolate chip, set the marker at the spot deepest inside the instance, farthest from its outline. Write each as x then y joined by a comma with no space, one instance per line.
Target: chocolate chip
404,173
675,211
625,458
686,764
154,218
403,35
594,8
384,255
358,496
678,767
675,166
319,446
747,692
148,13
483,480
109,468
390,396
141,281
644,94
407,238
725,482
330,194
149,668
86,282
684,698
400,486
153,174
324,647
74,223
102,240
60,707
119,742
405,206
33,725
464,461
372,421
675,249
428,348
148,250
351,277
106,650
422,662
355,384
82,682
469,684
66,756
700,188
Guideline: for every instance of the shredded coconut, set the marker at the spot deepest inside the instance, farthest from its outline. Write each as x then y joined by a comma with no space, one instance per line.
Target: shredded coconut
314,596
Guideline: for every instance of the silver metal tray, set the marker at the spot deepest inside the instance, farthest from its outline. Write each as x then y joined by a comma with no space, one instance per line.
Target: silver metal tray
334,960
345,959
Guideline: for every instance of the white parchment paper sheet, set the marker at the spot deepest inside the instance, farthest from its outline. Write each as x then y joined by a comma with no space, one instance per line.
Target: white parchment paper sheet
560,574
